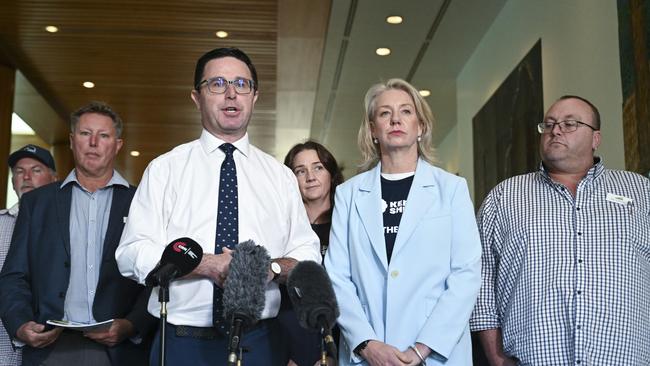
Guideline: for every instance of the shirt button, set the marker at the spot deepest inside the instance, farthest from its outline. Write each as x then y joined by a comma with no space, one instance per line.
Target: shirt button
579,260
579,327
394,274
578,362
577,208
579,233
579,292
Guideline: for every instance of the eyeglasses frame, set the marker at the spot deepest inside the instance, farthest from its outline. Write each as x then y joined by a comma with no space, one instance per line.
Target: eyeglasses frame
541,127
251,83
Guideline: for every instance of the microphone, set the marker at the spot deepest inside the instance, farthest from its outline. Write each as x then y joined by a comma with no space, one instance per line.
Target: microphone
244,292
313,299
180,257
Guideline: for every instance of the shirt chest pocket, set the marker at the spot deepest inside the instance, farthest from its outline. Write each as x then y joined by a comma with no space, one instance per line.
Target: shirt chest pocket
628,225
638,230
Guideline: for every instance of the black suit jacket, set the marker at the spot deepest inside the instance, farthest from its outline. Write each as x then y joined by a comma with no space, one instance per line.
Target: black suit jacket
36,273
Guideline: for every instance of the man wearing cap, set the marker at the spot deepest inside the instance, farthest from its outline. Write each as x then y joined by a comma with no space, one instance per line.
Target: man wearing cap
61,263
31,167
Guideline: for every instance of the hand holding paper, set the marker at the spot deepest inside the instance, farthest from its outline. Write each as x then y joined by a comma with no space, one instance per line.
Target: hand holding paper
119,330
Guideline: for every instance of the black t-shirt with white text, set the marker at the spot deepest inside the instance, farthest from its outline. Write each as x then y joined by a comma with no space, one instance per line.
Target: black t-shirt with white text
394,194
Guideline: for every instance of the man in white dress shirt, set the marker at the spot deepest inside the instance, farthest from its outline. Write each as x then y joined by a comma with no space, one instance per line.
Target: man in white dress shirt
179,196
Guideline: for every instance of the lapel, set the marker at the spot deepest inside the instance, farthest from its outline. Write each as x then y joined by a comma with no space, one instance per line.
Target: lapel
420,199
369,209
115,221
63,202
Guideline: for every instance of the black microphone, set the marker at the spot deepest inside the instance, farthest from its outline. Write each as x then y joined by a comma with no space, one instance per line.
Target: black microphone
313,299
244,292
180,257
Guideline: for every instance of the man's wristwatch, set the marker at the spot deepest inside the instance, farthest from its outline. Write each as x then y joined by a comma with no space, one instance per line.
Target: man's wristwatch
276,269
361,347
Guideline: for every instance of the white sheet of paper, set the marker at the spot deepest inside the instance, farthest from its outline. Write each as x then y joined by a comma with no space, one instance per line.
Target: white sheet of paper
83,327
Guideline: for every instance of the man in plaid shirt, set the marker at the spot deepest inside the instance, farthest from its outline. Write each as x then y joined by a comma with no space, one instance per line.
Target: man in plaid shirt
566,254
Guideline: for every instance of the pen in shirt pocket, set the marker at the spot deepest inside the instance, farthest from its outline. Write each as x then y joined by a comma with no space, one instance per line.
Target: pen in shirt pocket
630,207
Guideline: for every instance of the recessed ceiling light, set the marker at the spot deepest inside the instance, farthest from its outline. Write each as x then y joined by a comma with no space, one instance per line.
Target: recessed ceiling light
425,92
221,34
135,153
394,19
88,84
383,51
52,29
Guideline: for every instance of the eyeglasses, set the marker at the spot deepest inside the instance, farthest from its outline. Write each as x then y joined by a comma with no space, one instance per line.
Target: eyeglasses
566,126
218,85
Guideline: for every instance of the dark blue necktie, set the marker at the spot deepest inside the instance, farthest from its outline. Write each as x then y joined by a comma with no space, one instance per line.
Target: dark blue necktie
227,224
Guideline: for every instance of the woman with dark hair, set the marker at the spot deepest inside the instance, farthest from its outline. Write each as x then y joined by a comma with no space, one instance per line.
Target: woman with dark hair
318,175
405,253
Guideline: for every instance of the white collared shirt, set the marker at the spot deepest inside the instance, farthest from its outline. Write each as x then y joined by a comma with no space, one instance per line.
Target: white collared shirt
11,211
178,196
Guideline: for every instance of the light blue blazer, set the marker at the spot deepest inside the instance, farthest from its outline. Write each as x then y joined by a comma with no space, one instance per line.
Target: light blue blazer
428,291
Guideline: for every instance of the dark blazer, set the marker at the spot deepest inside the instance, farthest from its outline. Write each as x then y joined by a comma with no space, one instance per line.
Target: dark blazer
36,274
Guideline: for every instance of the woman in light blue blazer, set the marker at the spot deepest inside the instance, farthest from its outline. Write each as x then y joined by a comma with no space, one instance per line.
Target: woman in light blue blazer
404,254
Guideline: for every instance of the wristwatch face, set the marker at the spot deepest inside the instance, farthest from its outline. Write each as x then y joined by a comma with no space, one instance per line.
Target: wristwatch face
276,269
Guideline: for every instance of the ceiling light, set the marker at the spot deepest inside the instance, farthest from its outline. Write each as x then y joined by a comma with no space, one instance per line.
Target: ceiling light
425,92
383,51
394,19
52,29
221,34
135,153
88,84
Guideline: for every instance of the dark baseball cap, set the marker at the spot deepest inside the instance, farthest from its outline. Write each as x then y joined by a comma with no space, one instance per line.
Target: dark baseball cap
34,152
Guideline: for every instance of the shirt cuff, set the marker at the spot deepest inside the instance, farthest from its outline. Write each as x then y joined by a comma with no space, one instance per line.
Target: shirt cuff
17,343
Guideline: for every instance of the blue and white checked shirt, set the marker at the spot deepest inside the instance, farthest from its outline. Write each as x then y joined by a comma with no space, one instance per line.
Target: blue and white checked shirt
8,356
89,216
568,279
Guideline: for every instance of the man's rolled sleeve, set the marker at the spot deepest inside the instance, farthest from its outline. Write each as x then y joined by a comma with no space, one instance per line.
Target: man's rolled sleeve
485,314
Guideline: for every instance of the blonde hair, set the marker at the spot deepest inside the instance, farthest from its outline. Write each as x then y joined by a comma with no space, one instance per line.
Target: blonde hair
370,152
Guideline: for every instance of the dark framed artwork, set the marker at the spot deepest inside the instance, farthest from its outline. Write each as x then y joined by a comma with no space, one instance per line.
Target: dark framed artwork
634,50
506,142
